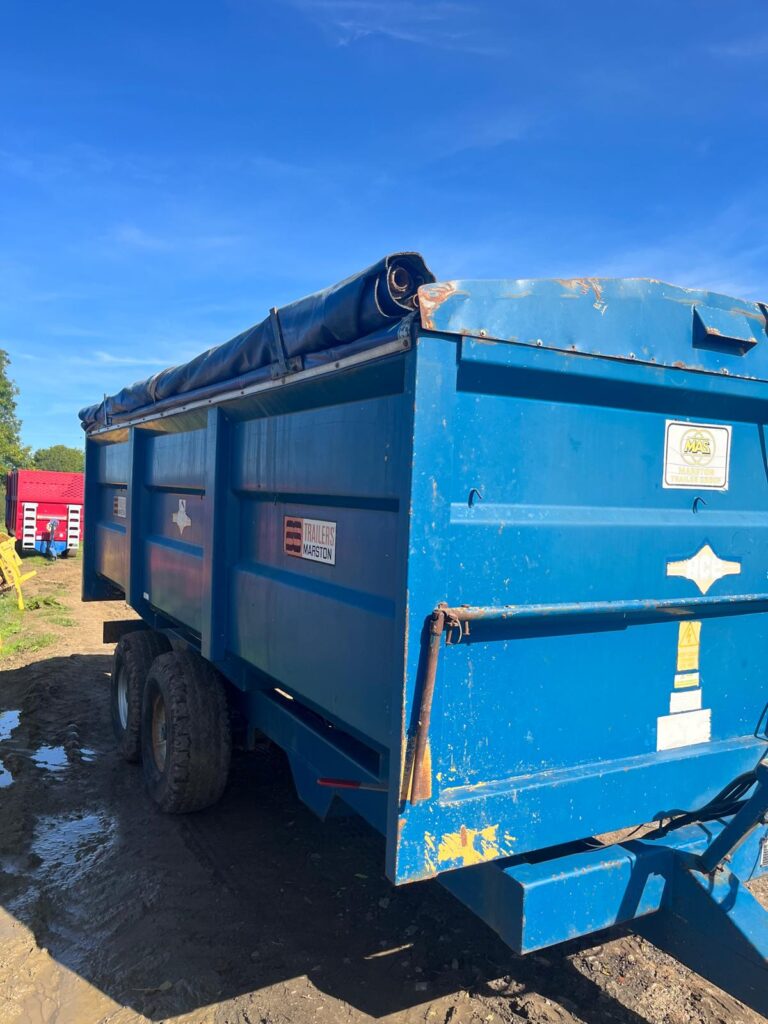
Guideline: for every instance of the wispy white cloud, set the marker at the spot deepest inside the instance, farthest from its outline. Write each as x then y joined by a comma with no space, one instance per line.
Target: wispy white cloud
19,287
135,237
469,130
74,332
120,360
282,168
31,160
45,167
16,353
102,358
719,249
748,48
131,236
722,255
439,24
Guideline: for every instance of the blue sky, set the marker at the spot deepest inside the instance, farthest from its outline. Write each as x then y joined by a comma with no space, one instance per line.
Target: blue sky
169,170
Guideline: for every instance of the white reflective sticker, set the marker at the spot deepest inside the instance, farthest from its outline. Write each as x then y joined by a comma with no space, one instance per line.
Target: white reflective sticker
684,729
181,518
684,700
696,456
704,569
313,539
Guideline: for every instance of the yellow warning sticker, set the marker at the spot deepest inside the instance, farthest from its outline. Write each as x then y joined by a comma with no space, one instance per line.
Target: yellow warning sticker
688,646
686,679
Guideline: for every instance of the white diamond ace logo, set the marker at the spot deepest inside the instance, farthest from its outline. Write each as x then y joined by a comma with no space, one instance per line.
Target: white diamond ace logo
181,518
704,568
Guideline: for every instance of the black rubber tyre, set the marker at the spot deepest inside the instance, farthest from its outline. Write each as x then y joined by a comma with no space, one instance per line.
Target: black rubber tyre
132,661
186,739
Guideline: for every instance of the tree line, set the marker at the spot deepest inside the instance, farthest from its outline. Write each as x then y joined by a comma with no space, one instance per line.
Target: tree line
14,454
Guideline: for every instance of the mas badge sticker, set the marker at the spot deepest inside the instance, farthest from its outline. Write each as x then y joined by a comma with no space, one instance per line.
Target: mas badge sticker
697,456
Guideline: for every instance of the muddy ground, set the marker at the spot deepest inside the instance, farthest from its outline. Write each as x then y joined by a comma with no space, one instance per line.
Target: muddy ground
253,912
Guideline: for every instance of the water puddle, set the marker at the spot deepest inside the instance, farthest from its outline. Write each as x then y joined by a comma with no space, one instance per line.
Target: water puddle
8,722
52,758
49,758
12,865
68,847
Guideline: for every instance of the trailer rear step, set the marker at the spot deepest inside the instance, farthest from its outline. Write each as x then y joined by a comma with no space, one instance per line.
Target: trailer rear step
29,525
74,515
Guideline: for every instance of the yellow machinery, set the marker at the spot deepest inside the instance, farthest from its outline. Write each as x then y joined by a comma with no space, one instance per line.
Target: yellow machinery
10,568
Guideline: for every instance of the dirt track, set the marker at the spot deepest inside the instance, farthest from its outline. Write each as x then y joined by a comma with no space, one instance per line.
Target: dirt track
253,912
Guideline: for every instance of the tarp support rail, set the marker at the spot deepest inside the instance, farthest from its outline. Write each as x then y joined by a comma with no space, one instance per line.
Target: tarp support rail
282,364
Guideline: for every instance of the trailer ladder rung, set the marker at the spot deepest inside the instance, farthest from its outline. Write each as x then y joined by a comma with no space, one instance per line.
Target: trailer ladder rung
74,515
29,524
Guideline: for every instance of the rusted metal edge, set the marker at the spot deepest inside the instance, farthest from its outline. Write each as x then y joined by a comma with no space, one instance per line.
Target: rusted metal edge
673,605
447,619
421,780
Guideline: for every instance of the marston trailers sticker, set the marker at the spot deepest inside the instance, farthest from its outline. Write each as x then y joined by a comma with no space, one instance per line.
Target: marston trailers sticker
696,455
314,539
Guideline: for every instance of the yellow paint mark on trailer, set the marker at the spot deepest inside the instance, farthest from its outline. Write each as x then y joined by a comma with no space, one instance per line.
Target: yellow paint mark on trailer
470,846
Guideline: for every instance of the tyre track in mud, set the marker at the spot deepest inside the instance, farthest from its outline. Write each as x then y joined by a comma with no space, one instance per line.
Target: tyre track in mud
467,972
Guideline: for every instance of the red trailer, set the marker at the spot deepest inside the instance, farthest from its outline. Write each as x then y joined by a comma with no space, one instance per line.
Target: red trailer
44,510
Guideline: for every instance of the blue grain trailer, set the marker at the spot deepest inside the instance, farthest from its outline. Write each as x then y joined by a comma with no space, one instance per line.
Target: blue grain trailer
487,559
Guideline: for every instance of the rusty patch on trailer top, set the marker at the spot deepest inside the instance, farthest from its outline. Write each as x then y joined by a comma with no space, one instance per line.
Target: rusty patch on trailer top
713,332
431,297
753,314
710,329
584,285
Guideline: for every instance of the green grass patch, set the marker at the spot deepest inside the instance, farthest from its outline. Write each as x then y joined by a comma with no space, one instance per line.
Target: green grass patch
18,632
26,643
60,619
53,610
11,619
15,637
35,603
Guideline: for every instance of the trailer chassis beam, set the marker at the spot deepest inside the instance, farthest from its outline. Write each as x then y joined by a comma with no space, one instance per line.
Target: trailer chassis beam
660,887
715,926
